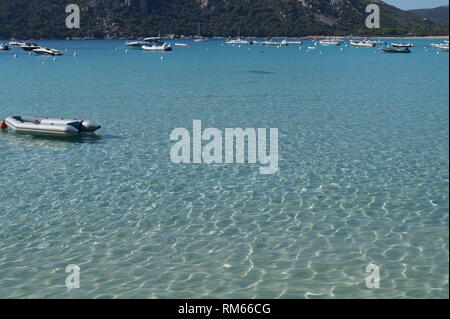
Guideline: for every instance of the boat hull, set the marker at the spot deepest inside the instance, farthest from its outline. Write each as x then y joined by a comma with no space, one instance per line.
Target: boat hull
397,45
157,48
47,53
389,50
29,48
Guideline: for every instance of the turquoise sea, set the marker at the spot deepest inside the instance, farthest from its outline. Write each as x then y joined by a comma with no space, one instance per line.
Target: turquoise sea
363,173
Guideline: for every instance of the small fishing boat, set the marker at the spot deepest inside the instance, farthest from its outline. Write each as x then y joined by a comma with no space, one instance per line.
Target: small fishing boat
157,47
396,50
312,48
47,51
4,47
402,45
48,126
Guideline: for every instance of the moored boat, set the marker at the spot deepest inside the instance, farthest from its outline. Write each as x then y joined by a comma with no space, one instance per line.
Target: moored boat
14,43
29,46
200,39
185,45
238,42
294,42
444,46
376,41
396,50
4,47
157,47
271,42
330,42
136,44
48,126
47,51
402,45
362,43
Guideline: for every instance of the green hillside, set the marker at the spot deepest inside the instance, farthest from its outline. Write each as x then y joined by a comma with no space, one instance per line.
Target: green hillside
45,19
439,14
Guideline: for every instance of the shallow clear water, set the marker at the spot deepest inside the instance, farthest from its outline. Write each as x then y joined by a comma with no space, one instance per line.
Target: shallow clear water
363,139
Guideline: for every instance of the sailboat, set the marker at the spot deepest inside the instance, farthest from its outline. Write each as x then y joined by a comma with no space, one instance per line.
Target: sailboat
199,38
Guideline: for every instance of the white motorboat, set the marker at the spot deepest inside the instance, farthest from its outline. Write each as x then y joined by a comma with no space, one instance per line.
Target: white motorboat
238,41
29,46
294,42
16,43
136,44
312,48
48,126
157,47
4,47
184,45
153,39
271,42
402,45
362,43
444,46
47,51
330,42
376,41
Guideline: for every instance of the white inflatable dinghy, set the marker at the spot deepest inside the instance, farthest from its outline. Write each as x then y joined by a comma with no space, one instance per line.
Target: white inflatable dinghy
49,126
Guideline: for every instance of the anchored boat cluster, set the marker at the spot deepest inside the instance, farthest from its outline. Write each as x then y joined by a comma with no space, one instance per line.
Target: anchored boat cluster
32,48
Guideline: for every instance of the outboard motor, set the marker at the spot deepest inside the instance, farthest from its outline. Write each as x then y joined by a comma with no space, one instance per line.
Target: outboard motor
89,126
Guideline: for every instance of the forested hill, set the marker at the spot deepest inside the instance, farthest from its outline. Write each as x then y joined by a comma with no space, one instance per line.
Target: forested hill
45,19
439,14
